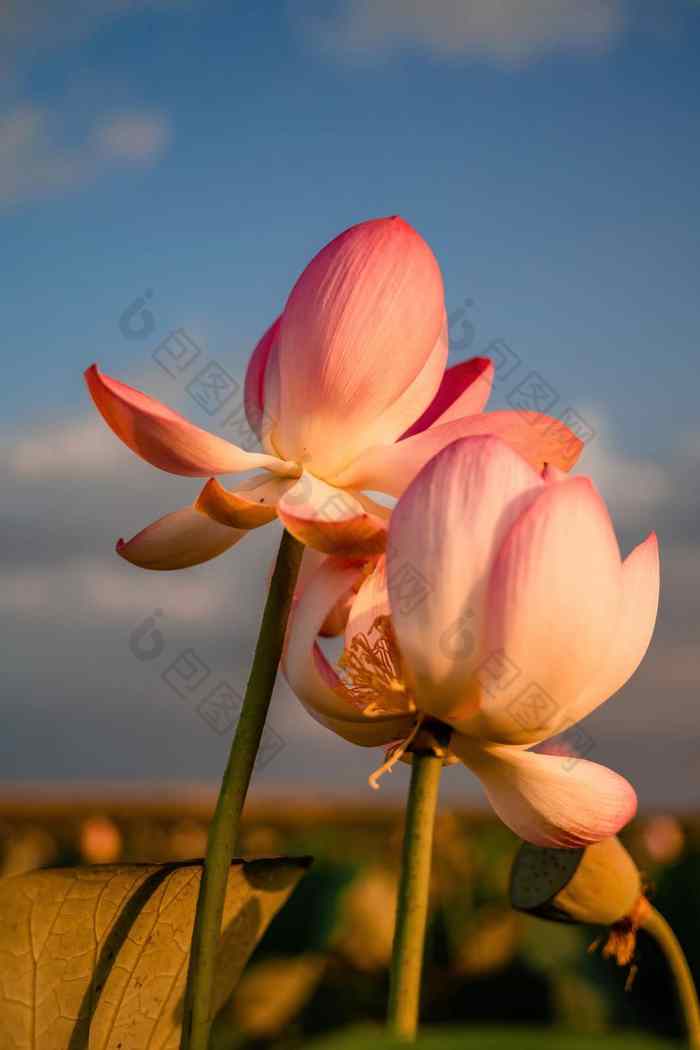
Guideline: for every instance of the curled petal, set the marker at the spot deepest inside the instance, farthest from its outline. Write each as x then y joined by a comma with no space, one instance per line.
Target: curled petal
553,605
271,399
254,503
445,533
179,540
464,390
165,438
357,330
310,675
551,801
370,602
334,623
631,638
331,520
390,468
254,386
311,561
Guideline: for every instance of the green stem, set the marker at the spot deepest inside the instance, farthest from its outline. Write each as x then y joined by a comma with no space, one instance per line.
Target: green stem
224,828
414,887
655,924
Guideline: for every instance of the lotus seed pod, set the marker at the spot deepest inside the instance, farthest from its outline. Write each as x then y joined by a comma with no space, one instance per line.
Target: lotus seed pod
599,885
538,875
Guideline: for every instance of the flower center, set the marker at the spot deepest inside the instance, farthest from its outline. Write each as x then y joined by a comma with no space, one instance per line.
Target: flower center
371,674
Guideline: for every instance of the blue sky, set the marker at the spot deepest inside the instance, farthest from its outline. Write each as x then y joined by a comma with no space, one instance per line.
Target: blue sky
548,151
560,195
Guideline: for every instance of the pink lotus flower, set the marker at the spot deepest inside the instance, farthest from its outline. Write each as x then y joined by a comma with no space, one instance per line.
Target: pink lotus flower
503,609
347,392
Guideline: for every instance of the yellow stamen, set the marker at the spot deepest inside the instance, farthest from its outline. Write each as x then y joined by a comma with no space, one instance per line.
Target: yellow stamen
622,938
393,755
371,674
372,679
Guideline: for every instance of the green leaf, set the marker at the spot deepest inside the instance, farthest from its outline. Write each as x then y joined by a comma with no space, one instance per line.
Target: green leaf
490,1039
95,958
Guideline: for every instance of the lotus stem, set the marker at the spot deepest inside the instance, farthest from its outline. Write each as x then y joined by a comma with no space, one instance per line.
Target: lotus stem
414,887
655,925
225,824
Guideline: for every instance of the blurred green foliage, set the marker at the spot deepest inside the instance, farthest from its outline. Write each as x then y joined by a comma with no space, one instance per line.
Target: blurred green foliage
490,1039
323,964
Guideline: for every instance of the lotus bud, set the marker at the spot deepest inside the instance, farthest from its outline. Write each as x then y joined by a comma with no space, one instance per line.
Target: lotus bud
600,885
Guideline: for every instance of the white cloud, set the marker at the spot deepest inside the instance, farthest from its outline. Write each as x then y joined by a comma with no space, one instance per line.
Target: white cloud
41,154
85,588
633,488
138,138
37,161
31,161
84,449
504,31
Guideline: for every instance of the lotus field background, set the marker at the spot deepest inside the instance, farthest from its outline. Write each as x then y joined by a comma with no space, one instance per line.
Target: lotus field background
322,964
